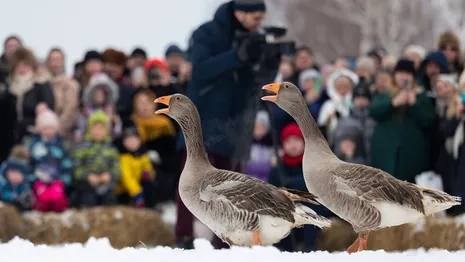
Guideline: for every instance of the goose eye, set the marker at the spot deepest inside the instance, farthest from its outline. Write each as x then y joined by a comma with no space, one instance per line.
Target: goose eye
286,86
178,98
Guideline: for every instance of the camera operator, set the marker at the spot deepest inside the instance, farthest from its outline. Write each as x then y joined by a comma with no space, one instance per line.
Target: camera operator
158,77
224,88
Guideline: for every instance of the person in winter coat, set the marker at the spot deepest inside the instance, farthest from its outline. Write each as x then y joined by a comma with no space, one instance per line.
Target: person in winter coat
30,85
66,91
114,62
158,135
416,54
51,165
262,152
101,94
449,44
96,161
449,109
91,65
159,78
304,60
357,127
10,45
405,116
179,68
289,174
434,64
14,186
339,89
137,173
224,89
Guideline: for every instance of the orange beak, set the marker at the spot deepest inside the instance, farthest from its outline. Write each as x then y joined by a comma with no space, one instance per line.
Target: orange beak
163,100
274,88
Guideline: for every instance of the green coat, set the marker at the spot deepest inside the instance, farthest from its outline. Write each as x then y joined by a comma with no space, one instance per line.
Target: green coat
400,143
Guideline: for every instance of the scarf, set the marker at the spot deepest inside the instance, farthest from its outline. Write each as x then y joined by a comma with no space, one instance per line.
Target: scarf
19,86
293,161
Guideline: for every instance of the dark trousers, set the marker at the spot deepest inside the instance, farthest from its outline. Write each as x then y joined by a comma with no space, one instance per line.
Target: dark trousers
185,219
87,196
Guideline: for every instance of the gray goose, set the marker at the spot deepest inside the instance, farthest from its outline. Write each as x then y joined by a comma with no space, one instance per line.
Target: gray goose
239,209
366,197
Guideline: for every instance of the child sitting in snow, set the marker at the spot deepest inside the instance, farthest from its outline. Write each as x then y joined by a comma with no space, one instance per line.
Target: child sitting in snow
96,162
261,152
14,188
50,163
137,173
102,93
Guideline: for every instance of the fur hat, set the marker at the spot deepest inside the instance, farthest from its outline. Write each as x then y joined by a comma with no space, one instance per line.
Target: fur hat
450,79
45,119
24,55
418,50
449,38
291,130
262,116
114,56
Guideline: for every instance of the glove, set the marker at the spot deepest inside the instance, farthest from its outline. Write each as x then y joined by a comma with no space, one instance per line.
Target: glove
146,176
139,200
250,49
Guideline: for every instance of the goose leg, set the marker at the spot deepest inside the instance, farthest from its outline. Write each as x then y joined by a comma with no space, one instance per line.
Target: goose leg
360,244
256,241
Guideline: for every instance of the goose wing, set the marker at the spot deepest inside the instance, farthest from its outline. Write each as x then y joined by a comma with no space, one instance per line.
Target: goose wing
373,185
245,195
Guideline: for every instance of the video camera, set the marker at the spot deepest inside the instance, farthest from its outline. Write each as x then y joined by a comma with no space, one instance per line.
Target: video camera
274,47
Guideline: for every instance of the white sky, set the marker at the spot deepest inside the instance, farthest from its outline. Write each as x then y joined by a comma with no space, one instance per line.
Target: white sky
77,25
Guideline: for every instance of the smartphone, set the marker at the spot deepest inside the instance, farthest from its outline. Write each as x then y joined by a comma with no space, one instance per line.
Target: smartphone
137,72
406,85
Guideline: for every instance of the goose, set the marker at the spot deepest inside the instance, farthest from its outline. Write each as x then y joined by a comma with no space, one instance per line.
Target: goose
366,197
239,209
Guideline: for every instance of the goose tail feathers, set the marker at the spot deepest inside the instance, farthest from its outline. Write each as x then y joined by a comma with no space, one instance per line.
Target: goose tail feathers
305,215
299,196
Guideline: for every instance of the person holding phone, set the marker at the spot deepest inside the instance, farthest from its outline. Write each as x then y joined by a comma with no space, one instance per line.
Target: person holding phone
400,143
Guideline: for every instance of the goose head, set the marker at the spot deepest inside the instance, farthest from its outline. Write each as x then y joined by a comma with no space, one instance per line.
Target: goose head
178,106
285,94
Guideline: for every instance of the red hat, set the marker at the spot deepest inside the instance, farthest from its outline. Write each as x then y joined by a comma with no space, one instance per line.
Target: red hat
291,130
156,63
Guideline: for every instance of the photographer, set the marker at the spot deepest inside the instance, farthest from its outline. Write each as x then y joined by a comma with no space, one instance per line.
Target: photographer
400,143
224,88
158,75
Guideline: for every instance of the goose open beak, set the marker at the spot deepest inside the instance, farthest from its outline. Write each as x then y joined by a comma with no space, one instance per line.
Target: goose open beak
274,88
163,100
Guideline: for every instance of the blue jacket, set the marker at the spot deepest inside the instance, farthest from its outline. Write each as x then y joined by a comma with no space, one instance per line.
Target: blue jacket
19,195
52,157
221,87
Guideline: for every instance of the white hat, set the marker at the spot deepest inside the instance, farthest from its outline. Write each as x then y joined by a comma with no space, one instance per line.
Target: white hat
45,119
450,79
418,50
262,116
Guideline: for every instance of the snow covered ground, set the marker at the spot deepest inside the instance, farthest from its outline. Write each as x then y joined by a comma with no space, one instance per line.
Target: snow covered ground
100,250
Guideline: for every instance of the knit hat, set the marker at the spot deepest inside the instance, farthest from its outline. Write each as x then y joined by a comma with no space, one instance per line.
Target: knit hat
173,49
249,5
450,79
130,131
156,63
362,90
114,56
139,52
47,118
98,117
341,73
14,164
291,130
418,50
262,116
92,55
405,65
308,74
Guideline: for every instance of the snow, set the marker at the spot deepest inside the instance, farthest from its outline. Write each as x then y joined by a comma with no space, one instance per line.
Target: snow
100,250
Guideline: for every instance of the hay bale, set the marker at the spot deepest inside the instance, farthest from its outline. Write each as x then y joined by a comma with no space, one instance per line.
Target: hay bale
11,224
123,226
431,232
